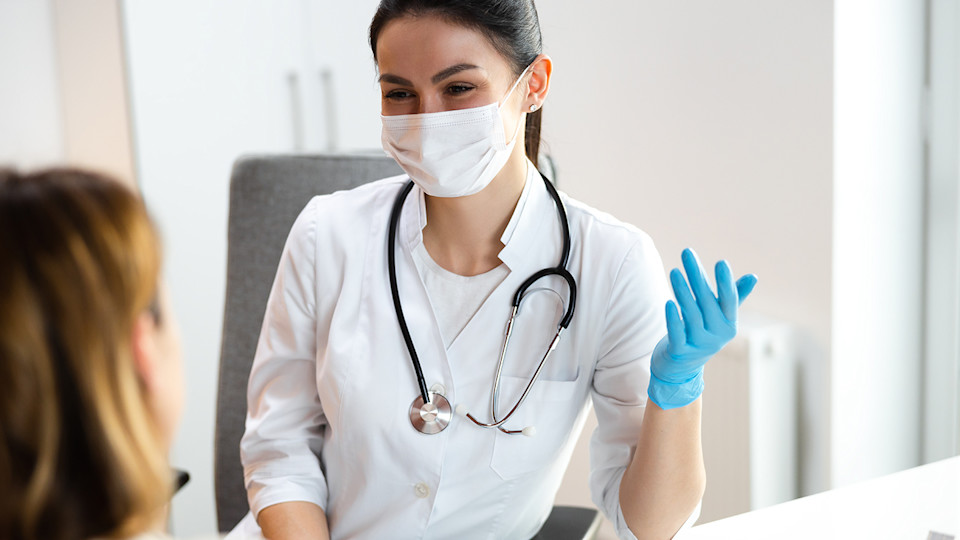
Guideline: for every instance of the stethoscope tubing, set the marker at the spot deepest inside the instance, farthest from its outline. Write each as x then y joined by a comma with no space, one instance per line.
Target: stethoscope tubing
559,270
395,292
496,385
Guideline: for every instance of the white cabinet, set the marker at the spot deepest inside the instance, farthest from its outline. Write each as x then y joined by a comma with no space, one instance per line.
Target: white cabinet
344,107
208,81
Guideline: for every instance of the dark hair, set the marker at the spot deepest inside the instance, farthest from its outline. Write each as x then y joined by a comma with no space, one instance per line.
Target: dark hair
512,26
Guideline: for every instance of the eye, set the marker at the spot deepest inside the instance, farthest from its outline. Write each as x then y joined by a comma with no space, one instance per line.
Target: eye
459,89
397,95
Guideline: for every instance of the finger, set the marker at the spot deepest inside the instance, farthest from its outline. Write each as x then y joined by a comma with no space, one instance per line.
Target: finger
701,290
688,306
674,325
745,286
726,291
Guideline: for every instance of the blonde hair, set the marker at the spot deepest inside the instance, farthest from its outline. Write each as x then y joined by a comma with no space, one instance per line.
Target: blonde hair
80,450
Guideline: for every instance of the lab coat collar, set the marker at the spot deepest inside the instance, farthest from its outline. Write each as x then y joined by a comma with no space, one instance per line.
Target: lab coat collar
524,236
523,233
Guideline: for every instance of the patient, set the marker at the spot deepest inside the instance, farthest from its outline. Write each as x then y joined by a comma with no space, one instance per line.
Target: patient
90,375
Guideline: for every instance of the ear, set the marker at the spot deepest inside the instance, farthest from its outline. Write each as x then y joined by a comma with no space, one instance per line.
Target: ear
145,353
539,82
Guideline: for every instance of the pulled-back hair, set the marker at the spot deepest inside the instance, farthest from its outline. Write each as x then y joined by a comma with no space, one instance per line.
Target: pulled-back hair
80,451
512,26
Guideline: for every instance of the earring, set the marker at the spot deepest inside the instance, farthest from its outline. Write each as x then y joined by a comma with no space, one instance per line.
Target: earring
533,107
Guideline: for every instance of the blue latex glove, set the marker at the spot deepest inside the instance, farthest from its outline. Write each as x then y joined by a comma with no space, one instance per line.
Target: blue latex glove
709,322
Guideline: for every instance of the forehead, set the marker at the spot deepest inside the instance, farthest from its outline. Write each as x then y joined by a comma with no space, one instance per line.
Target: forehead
423,46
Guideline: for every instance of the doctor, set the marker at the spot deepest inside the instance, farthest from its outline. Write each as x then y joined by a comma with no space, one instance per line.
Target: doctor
390,303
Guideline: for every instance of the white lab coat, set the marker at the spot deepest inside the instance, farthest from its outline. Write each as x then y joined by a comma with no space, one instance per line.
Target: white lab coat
332,377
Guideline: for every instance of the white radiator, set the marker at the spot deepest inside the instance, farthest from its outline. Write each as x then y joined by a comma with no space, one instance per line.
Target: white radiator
750,421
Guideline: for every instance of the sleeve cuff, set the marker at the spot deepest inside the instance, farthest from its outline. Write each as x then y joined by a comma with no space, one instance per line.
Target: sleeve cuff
624,532
262,494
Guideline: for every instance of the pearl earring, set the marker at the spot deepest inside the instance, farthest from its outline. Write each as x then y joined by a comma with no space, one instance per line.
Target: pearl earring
533,107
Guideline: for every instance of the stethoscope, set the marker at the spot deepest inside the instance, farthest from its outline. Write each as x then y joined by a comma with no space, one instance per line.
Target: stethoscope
430,412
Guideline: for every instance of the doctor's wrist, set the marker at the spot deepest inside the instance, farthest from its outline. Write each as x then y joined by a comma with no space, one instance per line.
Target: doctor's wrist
671,395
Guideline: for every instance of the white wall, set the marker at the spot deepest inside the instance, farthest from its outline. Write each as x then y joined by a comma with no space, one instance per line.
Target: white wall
63,96
709,124
878,238
93,90
941,387
31,132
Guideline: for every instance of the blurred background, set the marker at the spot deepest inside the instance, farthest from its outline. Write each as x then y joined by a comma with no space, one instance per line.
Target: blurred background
812,142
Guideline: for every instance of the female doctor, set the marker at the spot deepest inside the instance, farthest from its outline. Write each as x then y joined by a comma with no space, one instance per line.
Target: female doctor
383,401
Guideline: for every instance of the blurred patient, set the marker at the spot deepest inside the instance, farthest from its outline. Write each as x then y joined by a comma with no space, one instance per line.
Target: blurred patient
90,375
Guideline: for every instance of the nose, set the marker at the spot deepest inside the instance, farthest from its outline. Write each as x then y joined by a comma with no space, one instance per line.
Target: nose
431,104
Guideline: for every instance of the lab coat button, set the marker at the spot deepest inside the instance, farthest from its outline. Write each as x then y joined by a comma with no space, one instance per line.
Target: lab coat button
439,389
422,490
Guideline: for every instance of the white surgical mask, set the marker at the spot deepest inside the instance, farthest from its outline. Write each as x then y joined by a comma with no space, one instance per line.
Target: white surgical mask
451,153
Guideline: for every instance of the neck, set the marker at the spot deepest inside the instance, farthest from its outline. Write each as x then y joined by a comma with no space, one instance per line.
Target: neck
463,233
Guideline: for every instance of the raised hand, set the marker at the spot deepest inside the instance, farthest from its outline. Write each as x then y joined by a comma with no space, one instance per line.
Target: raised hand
701,327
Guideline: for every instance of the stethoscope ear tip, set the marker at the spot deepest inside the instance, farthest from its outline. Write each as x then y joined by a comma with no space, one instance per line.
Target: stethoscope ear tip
461,410
529,431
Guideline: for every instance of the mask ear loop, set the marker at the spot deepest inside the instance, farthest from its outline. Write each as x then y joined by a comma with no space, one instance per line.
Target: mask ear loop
516,131
514,87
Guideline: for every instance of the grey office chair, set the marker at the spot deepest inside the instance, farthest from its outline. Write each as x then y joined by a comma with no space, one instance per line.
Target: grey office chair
266,195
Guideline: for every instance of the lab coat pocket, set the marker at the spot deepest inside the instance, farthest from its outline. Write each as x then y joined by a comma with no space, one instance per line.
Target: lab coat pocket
551,409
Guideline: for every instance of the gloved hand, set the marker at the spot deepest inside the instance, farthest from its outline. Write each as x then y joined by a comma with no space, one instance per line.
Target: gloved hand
708,323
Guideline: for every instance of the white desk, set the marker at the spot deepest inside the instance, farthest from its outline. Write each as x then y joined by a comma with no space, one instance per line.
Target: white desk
902,506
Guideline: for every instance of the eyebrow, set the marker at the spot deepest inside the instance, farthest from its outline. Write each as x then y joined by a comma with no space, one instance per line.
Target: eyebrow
443,74
451,71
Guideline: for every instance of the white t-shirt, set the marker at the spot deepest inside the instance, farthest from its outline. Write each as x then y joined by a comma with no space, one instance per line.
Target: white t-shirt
455,298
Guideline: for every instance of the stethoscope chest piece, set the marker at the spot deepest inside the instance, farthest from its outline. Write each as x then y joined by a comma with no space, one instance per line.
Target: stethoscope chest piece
430,417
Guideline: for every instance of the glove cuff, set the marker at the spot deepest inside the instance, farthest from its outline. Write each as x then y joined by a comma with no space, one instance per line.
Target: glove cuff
673,395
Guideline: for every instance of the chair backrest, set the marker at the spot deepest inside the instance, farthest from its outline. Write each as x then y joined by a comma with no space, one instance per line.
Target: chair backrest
266,195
